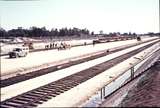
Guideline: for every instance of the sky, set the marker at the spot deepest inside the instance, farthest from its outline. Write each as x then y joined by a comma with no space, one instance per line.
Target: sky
140,16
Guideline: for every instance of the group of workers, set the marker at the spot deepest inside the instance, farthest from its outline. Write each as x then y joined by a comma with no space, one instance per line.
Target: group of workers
64,45
59,46
51,45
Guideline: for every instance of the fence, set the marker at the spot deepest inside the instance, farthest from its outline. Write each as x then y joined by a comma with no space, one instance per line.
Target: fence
93,91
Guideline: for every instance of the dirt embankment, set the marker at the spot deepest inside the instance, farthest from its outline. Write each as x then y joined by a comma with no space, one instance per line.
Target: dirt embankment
147,91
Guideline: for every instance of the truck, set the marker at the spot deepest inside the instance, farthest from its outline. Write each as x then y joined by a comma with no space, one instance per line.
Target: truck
19,52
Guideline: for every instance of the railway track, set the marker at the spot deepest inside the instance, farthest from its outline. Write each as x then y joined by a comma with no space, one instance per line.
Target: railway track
33,74
44,93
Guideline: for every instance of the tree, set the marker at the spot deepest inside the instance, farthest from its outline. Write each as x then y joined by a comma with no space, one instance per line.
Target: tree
100,32
92,33
125,34
41,32
3,33
62,32
37,32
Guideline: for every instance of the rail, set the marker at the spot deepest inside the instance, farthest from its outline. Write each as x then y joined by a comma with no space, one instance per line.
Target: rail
80,94
69,84
65,61
123,79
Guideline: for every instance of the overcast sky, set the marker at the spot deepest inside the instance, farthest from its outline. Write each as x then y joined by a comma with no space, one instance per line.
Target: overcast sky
140,16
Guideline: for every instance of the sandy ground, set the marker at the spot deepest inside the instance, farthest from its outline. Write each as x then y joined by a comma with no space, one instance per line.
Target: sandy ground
6,48
147,91
44,57
143,92
79,94
12,89
116,98
18,88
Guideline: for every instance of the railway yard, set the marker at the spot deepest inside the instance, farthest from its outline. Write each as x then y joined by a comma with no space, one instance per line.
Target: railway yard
72,77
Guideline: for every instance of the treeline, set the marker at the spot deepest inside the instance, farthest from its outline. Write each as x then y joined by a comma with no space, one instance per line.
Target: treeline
42,32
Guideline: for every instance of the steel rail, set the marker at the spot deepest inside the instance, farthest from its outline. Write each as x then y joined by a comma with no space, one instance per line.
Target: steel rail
22,77
44,93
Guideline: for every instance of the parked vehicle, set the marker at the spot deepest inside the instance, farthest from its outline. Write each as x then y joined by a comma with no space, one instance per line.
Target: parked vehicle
19,52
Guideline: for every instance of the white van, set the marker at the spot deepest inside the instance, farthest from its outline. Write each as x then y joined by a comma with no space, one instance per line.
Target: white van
19,52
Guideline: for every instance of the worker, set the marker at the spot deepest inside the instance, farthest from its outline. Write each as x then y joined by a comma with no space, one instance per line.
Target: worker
138,38
94,42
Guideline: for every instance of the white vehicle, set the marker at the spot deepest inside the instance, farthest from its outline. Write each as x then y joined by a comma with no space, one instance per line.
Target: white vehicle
19,52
